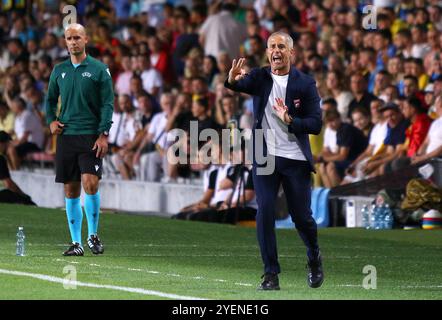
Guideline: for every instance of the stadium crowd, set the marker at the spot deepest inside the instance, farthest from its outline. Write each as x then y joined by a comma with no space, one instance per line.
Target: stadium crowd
381,88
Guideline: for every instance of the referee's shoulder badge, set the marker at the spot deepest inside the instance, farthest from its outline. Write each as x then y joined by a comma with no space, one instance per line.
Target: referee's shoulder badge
107,70
63,74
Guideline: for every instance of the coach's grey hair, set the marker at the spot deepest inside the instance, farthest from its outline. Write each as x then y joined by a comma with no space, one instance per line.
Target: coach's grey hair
287,37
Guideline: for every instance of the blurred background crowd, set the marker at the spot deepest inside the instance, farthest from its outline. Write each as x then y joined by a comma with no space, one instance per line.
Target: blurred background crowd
381,88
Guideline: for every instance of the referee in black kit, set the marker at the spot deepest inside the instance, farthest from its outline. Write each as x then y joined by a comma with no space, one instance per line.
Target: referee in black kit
84,85
286,106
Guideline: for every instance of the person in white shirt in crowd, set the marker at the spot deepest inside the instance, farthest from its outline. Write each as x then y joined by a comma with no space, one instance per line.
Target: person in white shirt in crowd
143,116
403,42
241,205
151,78
432,91
326,140
432,145
115,137
28,131
355,172
343,97
122,85
151,155
115,140
420,45
220,195
128,127
221,32
330,145
430,100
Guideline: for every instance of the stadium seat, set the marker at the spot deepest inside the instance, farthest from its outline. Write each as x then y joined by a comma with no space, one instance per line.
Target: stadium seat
319,206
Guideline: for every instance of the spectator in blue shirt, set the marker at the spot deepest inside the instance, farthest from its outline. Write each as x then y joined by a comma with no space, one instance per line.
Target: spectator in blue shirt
397,126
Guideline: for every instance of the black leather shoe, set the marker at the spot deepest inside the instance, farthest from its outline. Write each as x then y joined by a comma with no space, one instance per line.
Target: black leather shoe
315,276
271,282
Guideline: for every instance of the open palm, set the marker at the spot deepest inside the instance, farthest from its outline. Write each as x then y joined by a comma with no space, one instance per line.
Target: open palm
280,109
237,72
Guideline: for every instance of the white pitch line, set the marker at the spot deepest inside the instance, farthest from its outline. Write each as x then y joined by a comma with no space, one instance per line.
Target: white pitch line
62,260
99,286
349,285
167,274
401,287
243,284
247,284
153,272
421,287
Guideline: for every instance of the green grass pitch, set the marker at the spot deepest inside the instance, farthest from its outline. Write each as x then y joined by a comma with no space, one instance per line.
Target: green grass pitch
172,259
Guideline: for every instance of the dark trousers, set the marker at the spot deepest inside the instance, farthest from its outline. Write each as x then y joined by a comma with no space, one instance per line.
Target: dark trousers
295,178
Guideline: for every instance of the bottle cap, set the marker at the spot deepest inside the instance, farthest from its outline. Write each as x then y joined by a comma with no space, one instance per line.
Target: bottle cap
426,171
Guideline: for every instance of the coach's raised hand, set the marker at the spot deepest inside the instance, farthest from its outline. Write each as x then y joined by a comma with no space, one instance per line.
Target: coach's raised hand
236,73
56,127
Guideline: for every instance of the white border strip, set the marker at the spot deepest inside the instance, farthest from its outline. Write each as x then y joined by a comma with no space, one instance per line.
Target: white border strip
99,286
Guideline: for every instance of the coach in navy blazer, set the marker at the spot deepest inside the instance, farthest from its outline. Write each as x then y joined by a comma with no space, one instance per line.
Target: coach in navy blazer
296,108
302,100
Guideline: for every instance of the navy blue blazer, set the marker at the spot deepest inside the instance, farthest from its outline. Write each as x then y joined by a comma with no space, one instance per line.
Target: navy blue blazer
302,100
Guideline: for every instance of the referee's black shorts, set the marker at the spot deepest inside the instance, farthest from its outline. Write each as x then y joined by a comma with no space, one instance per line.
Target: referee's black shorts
74,157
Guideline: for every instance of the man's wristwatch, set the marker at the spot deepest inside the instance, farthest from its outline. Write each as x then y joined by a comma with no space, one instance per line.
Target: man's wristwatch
105,133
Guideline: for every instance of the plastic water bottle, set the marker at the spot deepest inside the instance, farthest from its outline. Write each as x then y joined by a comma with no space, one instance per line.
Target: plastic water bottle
365,213
20,248
388,218
373,213
380,218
